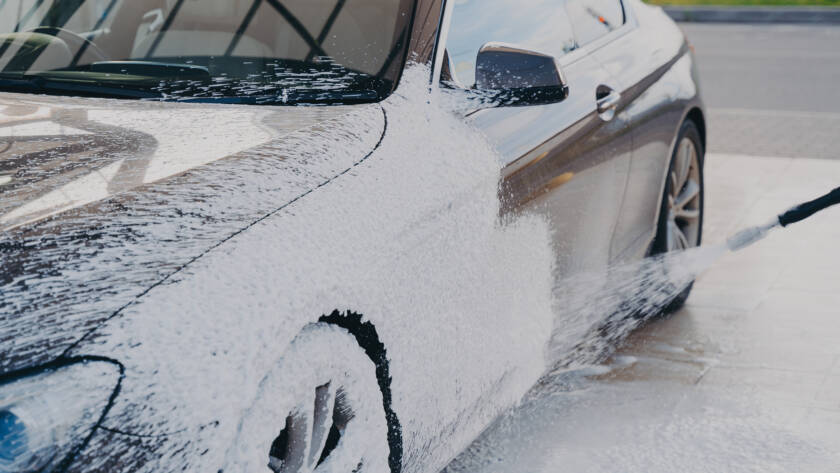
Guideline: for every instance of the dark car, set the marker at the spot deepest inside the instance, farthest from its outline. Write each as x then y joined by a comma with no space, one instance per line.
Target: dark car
316,235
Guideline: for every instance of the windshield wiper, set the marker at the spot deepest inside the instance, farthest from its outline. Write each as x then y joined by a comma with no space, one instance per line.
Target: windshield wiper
289,97
149,69
49,86
114,79
174,82
37,84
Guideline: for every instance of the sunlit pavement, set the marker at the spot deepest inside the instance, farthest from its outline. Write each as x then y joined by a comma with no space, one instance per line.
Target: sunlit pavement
746,377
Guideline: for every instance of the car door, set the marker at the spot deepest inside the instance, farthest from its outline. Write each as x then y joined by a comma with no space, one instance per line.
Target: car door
649,65
569,160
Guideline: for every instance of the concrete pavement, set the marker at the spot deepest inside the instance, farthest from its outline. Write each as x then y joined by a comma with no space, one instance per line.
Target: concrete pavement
774,133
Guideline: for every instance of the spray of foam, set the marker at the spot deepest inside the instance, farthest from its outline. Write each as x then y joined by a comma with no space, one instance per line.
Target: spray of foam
596,311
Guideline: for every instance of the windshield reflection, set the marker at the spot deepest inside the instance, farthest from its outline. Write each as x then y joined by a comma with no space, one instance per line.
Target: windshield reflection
205,48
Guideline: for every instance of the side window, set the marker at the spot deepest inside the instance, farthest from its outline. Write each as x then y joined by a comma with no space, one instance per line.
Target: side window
537,25
594,18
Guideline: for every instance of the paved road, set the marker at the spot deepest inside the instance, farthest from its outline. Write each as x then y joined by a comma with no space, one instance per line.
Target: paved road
772,90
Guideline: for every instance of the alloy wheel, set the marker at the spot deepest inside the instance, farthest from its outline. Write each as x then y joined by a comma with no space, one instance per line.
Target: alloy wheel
312,432
684,199
318,410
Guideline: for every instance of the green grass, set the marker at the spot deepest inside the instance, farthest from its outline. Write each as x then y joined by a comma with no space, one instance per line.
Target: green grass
735,3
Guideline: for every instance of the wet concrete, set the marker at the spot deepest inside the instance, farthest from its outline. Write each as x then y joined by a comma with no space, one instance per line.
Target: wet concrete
745,378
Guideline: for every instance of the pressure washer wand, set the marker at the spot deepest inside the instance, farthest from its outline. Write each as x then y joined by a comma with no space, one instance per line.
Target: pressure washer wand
803,211
749,236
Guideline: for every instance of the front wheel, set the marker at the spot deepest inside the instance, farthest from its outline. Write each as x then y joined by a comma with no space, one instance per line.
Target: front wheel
319,411
680,225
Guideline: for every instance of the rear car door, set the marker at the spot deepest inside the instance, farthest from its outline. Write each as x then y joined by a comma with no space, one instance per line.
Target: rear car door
569,160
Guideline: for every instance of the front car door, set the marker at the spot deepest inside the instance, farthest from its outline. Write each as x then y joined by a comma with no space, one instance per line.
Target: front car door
568,161
651,64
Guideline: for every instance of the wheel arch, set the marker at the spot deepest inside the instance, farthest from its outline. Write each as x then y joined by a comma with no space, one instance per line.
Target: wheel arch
368,339
696,115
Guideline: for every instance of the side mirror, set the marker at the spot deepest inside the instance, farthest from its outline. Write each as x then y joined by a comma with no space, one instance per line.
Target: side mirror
508,76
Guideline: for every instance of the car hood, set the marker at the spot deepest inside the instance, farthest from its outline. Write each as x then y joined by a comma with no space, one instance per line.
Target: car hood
100,200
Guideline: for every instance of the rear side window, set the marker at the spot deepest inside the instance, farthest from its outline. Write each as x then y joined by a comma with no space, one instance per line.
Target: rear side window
536,25
593,19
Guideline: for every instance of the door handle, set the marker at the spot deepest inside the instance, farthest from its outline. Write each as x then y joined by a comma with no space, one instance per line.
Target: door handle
607,103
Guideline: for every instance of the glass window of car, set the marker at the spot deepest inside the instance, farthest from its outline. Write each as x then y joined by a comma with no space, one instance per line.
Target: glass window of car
593,19
344,50
536,25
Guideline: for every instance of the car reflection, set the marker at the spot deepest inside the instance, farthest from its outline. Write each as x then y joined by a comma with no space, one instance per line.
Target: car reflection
45,149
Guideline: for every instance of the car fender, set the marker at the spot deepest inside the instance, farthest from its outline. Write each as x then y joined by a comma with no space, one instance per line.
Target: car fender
411,239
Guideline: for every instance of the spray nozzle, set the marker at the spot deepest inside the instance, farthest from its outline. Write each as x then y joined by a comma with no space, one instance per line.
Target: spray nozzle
747,237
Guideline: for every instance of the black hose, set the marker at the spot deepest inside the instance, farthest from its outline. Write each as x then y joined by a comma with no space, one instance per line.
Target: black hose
803,211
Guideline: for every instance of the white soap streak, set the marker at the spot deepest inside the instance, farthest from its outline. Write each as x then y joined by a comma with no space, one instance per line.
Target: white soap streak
574,421
409,236
596,311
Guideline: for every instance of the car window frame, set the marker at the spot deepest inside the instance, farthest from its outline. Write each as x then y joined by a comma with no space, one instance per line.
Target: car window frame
443,36
630,24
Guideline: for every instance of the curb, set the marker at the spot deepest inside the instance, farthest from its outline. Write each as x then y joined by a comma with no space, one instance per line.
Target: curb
721,14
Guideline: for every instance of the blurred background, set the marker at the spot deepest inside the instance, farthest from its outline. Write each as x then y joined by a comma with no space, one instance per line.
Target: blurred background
769,73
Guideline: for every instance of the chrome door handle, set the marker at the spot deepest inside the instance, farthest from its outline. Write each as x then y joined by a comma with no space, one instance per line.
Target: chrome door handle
609,102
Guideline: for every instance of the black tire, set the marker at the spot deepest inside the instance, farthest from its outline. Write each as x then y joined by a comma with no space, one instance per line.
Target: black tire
690,131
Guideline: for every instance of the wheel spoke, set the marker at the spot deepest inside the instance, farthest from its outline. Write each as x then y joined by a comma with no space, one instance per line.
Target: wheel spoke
670,235
299,427
682,241
684,165
674,189
685,214
322,421
689,192
675,237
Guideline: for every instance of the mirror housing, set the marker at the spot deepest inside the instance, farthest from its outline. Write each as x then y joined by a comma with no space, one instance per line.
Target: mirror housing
509,76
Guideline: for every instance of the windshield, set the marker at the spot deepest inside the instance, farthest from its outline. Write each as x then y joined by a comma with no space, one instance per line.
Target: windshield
240,51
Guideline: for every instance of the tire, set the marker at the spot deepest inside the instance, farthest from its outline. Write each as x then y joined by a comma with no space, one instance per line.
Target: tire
319,411
680,225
